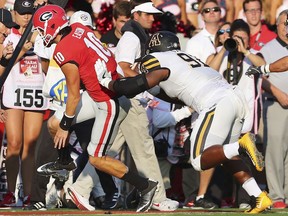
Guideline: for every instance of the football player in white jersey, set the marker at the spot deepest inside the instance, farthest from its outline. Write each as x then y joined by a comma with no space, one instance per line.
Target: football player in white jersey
222,109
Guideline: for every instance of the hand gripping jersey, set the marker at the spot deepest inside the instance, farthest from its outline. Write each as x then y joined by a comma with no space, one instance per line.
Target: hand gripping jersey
190,80
82,47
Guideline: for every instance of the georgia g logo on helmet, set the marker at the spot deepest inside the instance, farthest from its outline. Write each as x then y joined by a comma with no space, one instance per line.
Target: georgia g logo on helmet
46,16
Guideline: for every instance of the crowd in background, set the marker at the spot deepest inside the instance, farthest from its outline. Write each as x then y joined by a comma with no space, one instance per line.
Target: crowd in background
204,28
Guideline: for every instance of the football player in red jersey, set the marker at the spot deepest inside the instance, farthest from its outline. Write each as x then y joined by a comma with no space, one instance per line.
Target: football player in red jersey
76,53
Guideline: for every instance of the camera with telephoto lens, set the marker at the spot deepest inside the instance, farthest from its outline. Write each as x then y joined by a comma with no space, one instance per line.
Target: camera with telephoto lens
231,44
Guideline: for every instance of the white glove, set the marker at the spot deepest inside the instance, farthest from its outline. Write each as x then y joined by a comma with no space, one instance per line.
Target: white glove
103,75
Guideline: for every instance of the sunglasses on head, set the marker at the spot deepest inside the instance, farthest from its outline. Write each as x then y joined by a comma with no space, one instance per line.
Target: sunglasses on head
214,9
222,31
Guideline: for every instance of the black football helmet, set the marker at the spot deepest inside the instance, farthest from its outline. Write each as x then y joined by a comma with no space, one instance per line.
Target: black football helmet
162,41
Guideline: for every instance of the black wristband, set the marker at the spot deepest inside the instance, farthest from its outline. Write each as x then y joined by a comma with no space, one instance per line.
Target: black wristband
4,62
66,122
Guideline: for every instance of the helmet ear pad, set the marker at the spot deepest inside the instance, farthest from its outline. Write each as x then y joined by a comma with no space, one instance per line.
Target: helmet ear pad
162,41
48,21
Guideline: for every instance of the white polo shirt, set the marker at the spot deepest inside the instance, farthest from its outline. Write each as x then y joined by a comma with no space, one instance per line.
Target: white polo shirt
201,45
128,49
278,51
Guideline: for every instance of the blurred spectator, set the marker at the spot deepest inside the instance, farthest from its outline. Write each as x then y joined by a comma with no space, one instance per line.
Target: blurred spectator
104,21
9,4
82,5
176,7
271,8
69,12
227,11
97,5
192,7
230,10
275,117
259,32
281,7
121,14
7,53
210,13
221,36
238,9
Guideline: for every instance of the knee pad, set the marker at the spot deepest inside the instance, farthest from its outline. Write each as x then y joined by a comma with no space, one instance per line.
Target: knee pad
196,163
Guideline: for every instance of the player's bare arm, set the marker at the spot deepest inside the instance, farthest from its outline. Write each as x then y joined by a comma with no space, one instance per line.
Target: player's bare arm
73,85
130,86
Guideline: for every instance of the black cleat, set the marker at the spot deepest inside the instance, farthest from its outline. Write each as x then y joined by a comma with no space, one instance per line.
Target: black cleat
204,203
56,170
132,199
146,196
112,201
37,206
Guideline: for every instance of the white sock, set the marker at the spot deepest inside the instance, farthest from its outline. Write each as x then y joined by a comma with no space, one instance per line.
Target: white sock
199,197
251,187
231,150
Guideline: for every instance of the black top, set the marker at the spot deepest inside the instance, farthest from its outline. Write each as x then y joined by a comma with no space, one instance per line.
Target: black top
109,38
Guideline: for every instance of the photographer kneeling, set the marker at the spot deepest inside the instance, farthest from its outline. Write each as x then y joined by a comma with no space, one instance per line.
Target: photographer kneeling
232,60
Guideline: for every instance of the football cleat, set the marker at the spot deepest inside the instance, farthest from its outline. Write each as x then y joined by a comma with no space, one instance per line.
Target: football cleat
112,201
81,202
146,196
132,199
261,204
204,203
37,206
247,143
56,170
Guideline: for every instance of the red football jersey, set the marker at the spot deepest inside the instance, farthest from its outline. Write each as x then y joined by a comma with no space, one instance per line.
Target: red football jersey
83,48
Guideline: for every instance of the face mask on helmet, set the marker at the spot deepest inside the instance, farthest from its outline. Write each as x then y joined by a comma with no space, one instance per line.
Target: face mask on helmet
48,21
162,41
